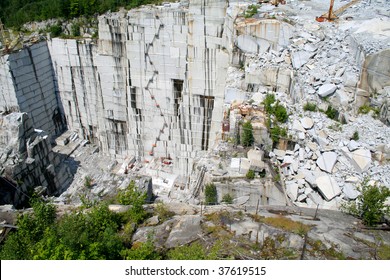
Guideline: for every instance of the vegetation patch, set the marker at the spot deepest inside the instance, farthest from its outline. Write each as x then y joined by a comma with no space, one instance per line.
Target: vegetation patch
247,138
355,136
227,198
286,224
370,204
163,212
312,107
251,11
332,113
366,108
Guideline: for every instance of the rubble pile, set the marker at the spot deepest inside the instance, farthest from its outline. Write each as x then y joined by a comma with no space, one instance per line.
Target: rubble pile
325,64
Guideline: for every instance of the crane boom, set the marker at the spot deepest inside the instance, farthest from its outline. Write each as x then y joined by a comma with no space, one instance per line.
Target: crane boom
332,15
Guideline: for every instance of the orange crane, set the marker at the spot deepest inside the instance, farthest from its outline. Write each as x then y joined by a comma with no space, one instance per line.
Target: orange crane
332,15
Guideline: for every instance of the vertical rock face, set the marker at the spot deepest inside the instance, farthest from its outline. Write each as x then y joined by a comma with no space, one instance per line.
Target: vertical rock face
27,161
153,85
27,85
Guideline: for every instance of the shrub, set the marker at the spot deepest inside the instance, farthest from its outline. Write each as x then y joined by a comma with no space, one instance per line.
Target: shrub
355,136
227,198
55,30
251,11
370,204
211,197
312,107
132,196
87,182
365,109
280,113
250,175
75,30
163,212
331,113
247,138
268,101
278,132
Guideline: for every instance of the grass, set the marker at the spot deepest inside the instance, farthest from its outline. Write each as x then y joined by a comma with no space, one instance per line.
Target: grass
287,224
365,109
312,107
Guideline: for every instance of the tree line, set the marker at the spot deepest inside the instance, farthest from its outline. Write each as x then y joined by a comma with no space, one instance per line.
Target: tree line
14,13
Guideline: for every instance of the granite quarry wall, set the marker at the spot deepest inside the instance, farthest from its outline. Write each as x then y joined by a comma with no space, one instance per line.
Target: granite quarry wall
27,84
153,84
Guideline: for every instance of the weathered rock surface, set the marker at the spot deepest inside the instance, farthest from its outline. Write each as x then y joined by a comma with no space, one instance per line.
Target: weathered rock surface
184,232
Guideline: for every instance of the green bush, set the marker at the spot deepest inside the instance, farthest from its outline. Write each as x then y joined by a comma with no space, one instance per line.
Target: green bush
268,101
280,113
75,30
365,109
247,138
211,197
55,30
163,212
370,204
251,11
312,107
250,175
278,132
88,182
331,113
194,251
227,198
355,136
132,196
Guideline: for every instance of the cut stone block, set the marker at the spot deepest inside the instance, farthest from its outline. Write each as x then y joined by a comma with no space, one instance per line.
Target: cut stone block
327,161
328,187
326,90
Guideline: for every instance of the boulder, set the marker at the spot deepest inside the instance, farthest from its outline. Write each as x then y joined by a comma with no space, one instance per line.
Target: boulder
298,126
350,191
328,187
360,158
300,58
292,190
314,199
307,123
152,221
326,90
353,145
326,161
185,231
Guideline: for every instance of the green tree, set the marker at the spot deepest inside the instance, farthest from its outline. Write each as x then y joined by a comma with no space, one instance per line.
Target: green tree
247,138
74,8
211,197
132,196
370,204
31,229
